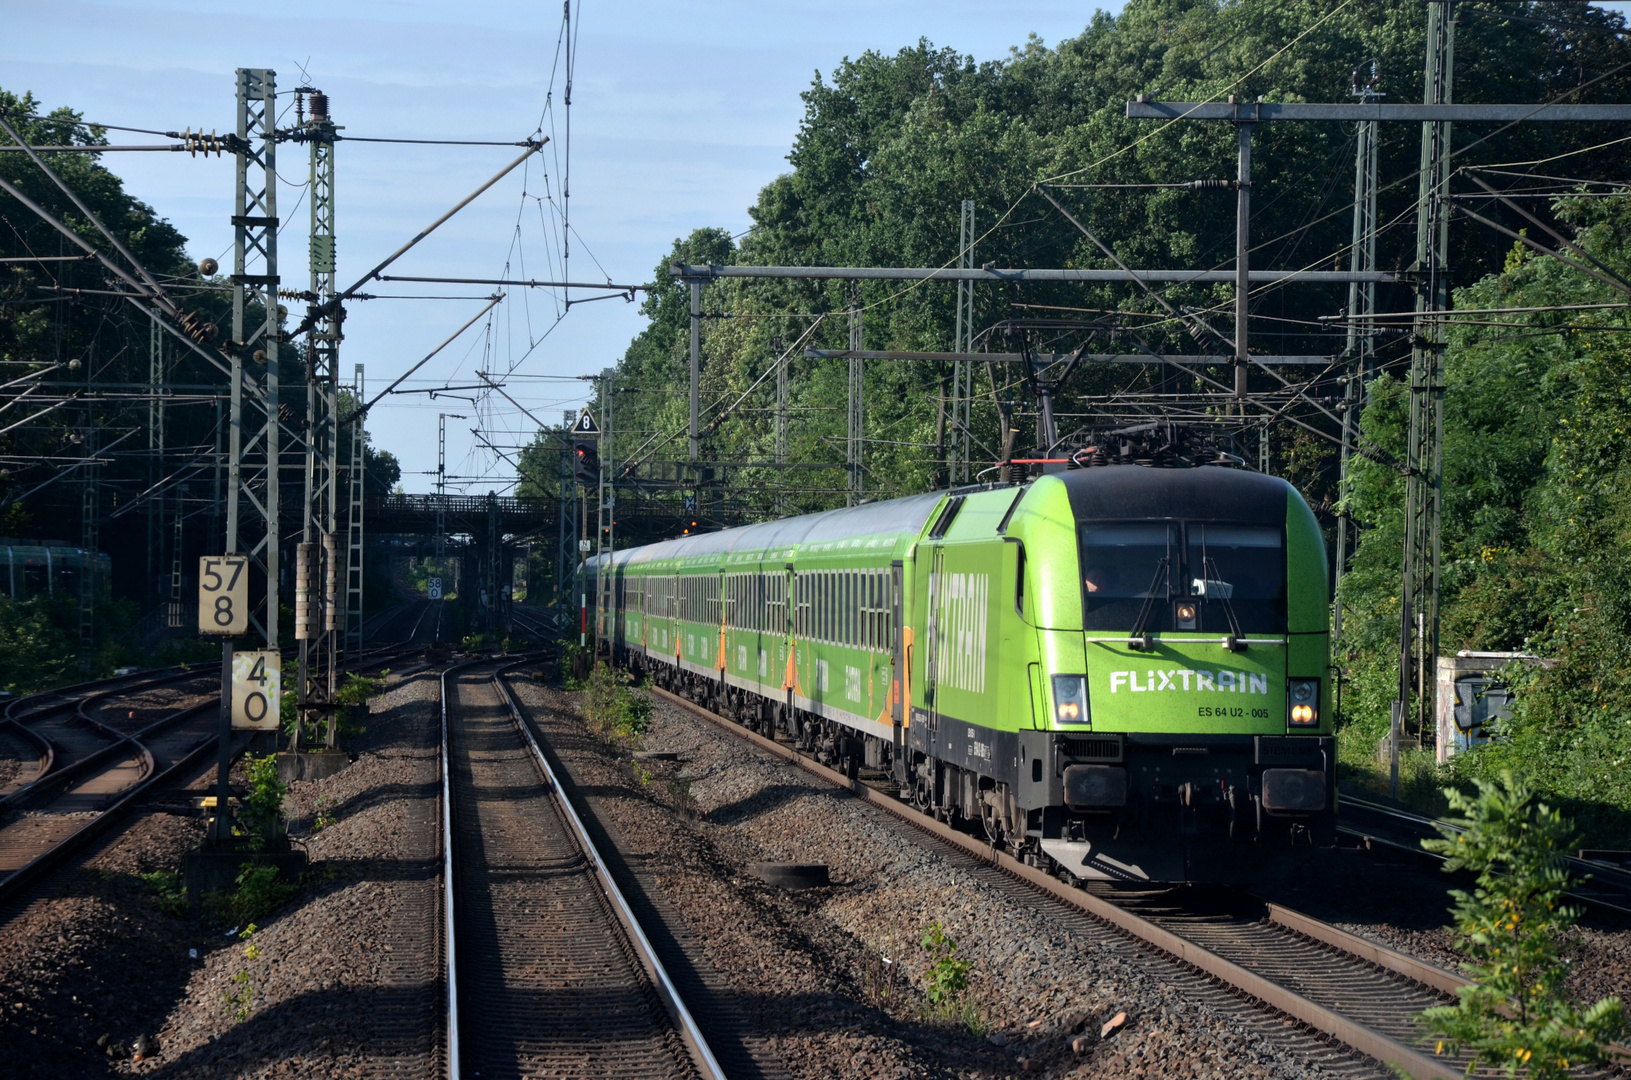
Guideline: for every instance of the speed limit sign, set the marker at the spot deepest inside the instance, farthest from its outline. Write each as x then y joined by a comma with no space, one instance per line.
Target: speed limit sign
257,682
223,594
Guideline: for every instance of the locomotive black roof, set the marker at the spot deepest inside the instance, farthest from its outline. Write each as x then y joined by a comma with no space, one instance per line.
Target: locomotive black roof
1115,492
1208,493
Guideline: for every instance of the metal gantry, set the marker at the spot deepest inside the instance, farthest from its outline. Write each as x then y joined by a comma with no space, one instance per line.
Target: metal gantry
1424,460
356,482
1361,343
855,442
566,549
606,541
253,431
155,461
318,627
90,518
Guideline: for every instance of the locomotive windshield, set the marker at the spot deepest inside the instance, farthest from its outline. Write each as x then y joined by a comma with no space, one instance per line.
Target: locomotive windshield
1214,577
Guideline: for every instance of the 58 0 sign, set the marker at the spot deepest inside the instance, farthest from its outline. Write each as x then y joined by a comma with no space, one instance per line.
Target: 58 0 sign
223,594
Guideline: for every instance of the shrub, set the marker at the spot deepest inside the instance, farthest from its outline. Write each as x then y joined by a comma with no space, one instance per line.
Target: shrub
945,984
242,996
353,700
948,976
262,817
611,707
573,662
1518,1015
170,893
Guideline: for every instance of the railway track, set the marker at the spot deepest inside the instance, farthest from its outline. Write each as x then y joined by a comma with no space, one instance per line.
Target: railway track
1349,990
410,621
1601,884
93,766
549,972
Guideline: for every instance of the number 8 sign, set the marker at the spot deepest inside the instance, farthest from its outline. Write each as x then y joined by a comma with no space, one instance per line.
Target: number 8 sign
223,594
257,683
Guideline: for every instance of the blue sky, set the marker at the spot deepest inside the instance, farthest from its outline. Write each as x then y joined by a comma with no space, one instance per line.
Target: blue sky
680,113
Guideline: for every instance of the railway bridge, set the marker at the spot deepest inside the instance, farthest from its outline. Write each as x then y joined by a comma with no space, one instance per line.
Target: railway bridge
489,533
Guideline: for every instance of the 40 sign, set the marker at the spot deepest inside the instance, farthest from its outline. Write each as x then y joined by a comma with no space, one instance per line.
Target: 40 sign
257,686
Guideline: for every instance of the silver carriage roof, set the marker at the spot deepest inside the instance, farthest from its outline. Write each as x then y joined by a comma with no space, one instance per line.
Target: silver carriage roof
896,516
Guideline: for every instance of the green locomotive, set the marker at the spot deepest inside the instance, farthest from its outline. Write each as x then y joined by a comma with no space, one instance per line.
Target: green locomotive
1122,670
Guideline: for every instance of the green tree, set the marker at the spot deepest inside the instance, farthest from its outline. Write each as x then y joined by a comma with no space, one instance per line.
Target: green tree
1537,523
1536,539
1517,1016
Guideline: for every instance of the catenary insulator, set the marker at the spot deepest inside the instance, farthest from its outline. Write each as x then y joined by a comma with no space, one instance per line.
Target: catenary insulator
1208,185
319,106
331,573
305,615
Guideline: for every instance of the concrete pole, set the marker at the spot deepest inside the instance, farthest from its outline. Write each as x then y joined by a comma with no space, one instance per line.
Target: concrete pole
1243,231
696,367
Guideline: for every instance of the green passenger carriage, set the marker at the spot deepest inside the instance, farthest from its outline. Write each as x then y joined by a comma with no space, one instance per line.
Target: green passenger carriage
1118,669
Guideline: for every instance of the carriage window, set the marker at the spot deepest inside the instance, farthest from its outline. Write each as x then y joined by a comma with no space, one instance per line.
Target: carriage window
848,607
826,606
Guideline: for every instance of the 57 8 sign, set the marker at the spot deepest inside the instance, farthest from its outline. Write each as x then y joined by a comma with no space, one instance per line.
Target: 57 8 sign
223,594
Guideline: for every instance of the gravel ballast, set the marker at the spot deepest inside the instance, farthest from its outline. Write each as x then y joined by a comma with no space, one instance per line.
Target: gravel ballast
88,965
1043,980
344,981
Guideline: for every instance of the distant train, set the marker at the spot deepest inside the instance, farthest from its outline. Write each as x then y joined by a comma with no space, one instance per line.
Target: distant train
1119,669
34,568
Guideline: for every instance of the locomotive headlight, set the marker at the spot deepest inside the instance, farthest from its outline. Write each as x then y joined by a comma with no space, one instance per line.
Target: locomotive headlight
1303,699
1070,699
1185,615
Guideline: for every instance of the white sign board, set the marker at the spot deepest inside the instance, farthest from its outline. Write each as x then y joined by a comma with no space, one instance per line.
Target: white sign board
257,685
433,588
223,594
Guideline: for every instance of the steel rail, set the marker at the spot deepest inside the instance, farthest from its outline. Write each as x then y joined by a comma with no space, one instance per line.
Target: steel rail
1429,828
48,774
449,957
701,1052
25,877
1373,1044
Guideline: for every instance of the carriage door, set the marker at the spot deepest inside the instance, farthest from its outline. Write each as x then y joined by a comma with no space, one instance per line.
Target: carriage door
931,647
897,659
786,628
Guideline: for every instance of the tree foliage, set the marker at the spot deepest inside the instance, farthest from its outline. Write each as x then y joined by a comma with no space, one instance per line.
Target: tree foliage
890,146
1537,520
1536,403
73,313
1517,1016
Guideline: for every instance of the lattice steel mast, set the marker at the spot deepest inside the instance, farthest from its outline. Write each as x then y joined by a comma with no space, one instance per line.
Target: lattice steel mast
1424,463
252,473
317,613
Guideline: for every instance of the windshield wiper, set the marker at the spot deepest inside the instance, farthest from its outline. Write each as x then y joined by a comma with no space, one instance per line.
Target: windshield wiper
1138,639
1232,642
